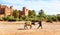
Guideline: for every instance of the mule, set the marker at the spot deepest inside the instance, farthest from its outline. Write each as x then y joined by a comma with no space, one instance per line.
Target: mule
28,23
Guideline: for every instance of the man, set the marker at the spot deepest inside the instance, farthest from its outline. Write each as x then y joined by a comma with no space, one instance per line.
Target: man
40,24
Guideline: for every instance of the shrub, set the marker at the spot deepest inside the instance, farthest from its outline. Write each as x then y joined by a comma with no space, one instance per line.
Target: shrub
49,19
58,17
9,18
54,18
5,18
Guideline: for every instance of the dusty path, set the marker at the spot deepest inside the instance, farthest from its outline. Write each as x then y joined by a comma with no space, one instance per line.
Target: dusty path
12,29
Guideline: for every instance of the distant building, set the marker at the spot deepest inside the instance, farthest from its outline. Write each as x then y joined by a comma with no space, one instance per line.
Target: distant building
24,12
4,10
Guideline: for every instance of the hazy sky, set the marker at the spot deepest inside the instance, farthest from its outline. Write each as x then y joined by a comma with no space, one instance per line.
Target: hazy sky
49,6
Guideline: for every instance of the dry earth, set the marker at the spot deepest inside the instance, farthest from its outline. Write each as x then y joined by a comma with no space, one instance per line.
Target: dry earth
17,28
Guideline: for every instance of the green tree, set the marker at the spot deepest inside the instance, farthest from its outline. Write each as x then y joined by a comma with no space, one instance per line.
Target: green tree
54,18
16,14
58,16
8,18
42,15
24,18
49,18
32,13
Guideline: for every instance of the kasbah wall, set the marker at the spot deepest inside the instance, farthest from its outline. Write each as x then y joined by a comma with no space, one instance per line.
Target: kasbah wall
5,10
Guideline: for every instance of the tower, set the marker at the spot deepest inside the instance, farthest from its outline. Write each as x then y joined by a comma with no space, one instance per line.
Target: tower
25,11
11,10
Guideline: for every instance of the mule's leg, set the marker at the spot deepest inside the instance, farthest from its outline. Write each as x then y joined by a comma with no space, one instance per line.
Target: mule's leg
24,26
30,26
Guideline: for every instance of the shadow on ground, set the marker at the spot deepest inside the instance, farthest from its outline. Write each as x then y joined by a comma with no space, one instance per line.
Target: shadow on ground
20,29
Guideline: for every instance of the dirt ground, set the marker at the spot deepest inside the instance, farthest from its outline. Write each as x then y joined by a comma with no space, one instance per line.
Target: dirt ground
17,28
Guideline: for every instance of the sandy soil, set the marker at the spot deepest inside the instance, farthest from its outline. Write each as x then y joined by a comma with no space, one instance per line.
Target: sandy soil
17,28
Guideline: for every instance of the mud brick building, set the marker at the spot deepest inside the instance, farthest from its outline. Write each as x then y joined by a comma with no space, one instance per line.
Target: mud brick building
24,12
5,10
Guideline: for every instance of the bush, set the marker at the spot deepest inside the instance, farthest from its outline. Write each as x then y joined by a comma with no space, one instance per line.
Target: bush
5,18
58,17
9,18
54,18
49,19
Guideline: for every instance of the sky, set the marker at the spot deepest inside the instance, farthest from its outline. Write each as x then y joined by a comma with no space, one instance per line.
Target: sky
51,7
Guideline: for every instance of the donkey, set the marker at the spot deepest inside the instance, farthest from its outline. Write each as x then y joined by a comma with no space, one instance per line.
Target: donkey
28,23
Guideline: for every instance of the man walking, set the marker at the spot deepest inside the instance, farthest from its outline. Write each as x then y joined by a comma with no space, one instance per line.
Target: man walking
40,24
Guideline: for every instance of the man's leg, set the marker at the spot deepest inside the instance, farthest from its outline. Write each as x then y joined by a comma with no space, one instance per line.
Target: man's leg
41,27
24,26
38,27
